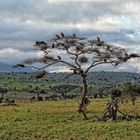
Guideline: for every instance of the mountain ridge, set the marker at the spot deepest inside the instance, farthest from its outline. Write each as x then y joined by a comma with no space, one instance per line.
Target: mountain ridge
8,68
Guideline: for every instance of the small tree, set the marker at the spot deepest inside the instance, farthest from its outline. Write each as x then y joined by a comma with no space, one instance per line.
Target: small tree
80,55
37,91
3,91
63,89
130,91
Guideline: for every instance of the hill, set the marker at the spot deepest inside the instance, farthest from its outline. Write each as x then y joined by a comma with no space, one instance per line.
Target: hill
8,68
100,77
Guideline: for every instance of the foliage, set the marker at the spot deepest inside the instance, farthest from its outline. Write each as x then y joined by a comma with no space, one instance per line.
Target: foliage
3,91
115,93
63,89
131,91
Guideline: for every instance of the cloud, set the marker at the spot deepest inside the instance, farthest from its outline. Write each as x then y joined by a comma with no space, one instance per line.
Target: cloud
12,56
24,22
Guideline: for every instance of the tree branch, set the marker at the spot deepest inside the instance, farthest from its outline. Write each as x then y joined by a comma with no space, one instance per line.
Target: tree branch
42,67
102,62
64,62
76,62
69,75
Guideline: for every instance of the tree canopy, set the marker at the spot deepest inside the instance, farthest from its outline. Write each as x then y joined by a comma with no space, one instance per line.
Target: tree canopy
79,54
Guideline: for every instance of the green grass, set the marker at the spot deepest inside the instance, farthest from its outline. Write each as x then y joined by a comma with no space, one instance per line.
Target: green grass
59,120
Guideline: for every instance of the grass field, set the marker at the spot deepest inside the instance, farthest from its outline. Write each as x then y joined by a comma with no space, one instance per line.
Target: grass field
59,120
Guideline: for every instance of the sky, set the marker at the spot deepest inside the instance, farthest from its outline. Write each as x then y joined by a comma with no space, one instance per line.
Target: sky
22,22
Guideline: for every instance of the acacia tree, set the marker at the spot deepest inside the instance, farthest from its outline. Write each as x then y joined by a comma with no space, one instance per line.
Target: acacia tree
80,55
3,91
63,89
37,91
130,91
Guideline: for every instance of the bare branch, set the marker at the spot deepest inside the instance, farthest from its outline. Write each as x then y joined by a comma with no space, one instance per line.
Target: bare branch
76,62
99,63
69,75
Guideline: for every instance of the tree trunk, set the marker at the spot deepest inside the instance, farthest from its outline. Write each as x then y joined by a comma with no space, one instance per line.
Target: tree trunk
114,114
38,96
83,102
2,94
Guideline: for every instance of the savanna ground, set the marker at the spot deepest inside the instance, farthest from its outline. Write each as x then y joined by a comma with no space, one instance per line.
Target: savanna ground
59,120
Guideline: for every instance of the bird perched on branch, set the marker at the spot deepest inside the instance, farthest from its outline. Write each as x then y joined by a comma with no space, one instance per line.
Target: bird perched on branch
105,60
58,37
41,45
59,57
53,45
38,43
99,42
62,34
74,35
98,38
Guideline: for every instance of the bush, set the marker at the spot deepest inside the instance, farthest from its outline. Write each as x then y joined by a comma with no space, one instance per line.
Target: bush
115,93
